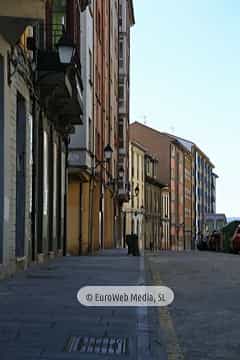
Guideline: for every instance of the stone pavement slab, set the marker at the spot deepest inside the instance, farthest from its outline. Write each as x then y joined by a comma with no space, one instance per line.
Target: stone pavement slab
39,310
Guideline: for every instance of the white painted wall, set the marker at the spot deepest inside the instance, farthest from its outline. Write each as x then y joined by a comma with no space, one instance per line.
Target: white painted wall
82,132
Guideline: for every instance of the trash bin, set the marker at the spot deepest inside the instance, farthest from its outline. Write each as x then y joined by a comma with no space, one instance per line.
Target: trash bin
129,242
132,243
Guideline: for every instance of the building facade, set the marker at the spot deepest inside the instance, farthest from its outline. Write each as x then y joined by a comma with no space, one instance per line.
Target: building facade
175,161
82,149
133,211
143,212
126,21
214,222
153,235
165,241
16,116
95,218
41,93
181,197
203,189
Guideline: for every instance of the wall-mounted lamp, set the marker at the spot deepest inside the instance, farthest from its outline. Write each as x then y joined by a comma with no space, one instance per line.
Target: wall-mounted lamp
136,190
121,172
66,49
108,151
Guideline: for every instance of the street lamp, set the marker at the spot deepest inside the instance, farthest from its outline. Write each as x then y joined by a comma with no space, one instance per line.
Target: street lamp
66,49
136,190
121,172
108,151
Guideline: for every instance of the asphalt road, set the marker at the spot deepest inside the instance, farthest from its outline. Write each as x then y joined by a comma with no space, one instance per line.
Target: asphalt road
203,323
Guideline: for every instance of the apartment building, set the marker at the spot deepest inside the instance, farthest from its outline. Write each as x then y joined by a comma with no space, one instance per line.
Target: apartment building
41,92
93,181
143,213
126,21
134,210
203,189
111,130
153,235
174,159
165,211
81,148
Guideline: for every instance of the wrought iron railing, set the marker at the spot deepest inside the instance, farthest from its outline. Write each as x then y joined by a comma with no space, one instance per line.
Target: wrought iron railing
48,38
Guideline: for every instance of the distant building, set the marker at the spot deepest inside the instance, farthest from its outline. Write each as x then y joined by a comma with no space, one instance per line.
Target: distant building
175,161
153,204
214,222
126,21
133,210
203,188
165,211
149,198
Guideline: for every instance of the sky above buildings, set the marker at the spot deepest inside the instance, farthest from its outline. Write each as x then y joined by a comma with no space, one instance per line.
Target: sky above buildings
186,80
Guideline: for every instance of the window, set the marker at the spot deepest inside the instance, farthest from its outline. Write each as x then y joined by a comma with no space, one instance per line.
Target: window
121,91
132,192
99,25
62,14
120,17
132,163
138,164
121,55
90,68
121,134
55,19
90,135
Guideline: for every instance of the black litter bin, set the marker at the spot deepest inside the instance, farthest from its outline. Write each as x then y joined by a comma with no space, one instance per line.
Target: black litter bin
132,243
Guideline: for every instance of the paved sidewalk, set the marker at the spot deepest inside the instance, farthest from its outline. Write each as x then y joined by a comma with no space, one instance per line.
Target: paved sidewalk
39,310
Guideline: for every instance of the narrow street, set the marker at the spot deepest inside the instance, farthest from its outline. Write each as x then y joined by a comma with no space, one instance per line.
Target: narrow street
39,311
204,320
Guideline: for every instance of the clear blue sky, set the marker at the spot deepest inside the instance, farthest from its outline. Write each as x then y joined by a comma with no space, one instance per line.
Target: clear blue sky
186,79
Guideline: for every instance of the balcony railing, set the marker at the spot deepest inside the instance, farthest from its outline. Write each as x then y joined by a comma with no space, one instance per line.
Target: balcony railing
49,36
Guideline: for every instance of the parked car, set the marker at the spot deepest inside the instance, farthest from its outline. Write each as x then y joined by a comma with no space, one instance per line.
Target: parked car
215,241
203,243
236,240
228,232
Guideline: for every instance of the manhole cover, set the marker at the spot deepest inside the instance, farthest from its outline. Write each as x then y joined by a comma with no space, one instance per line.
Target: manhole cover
97,345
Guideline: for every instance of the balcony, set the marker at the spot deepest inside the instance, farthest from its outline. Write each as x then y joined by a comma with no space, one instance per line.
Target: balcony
16,15
60,85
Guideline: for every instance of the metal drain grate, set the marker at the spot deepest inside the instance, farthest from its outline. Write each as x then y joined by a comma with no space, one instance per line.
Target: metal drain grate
97,345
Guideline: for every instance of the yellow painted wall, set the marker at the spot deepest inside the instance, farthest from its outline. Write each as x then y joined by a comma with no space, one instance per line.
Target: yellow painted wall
85,217
73,217
95,230
136,155
108,220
